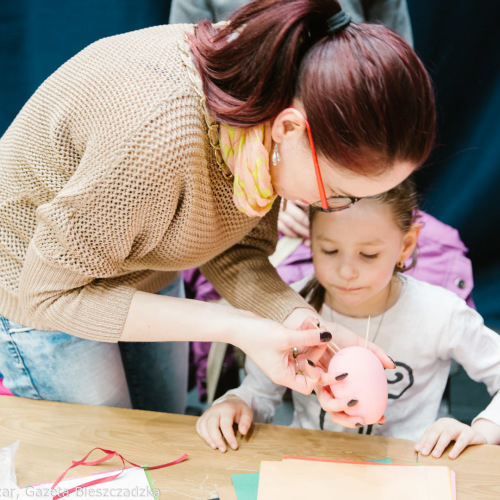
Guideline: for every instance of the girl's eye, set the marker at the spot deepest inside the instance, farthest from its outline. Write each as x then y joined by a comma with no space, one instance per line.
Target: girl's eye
329,252
370,256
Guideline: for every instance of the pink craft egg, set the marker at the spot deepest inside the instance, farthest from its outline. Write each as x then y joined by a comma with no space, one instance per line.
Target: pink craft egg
366,382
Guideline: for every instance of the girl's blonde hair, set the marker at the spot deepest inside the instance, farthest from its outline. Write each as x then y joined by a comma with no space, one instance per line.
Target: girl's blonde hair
402,201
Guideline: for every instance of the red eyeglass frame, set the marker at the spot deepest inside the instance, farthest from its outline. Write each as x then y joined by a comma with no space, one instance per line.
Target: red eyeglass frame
319,179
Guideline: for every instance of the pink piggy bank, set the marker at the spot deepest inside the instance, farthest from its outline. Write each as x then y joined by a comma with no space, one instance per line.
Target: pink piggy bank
366,382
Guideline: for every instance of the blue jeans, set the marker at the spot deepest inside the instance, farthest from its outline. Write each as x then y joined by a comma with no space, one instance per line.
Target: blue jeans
56,366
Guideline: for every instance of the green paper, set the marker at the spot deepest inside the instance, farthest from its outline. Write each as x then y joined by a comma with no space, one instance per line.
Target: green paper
246,485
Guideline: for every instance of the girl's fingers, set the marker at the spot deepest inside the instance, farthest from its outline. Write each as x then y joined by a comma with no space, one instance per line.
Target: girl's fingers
226,426
442,443
302,382
202,428
466,438
215,435
245,420
461,443
428,442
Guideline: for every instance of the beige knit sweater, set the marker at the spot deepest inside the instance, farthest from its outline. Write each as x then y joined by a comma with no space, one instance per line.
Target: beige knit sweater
109,184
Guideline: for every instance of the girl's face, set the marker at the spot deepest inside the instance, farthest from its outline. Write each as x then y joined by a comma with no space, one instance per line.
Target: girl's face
354,254
294,177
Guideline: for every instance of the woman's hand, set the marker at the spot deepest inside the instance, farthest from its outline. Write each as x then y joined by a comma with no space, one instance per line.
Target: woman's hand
270,344
294,221
215,426
336,407
342,337
440,434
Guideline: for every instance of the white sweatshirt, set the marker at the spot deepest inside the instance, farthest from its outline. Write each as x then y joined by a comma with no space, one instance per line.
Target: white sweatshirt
426,328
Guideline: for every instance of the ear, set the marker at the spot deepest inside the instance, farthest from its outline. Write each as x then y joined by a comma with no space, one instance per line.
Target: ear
410,242
289,123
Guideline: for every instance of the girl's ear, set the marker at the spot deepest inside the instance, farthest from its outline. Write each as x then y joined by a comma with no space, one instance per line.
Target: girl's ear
288,122
410,241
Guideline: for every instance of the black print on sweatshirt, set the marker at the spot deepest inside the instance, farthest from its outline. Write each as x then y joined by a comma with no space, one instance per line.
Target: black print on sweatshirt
399,380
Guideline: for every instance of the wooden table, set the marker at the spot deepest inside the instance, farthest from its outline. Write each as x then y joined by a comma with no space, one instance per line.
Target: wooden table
53,434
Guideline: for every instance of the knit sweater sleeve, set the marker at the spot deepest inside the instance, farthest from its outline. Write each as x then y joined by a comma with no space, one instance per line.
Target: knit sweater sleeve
77,275
244,276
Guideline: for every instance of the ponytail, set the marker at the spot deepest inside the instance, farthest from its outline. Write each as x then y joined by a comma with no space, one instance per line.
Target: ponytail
250,66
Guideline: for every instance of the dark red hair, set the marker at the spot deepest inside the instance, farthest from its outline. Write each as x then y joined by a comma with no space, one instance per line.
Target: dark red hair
367,96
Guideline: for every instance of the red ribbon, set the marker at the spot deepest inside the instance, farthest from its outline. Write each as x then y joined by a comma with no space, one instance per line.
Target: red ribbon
109,454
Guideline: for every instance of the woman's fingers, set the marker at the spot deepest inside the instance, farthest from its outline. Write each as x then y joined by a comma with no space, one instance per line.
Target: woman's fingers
332,378
293,221
308,338
336,408
305,379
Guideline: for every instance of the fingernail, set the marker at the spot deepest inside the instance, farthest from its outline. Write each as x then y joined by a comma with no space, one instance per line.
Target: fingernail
392,361
341,377
352,402
325,336
311,363
359,425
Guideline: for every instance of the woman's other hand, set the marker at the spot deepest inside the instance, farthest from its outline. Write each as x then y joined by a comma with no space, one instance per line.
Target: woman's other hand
294,221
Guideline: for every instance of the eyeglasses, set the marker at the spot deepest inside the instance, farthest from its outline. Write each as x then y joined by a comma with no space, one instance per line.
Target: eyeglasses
334,203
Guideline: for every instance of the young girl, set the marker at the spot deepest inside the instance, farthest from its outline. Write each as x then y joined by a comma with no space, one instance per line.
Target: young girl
359,256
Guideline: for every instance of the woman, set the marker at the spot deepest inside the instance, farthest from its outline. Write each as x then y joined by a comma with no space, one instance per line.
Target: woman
165,149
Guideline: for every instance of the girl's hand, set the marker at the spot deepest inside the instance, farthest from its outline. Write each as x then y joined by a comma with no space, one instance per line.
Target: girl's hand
439,435
215,426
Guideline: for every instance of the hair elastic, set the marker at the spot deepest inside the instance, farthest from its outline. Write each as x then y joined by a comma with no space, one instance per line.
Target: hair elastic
337,22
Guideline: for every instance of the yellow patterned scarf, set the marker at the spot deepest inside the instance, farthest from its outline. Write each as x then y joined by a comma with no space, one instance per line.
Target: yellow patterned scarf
246,153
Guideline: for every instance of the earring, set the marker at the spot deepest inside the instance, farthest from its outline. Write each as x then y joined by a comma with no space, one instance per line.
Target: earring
275,157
